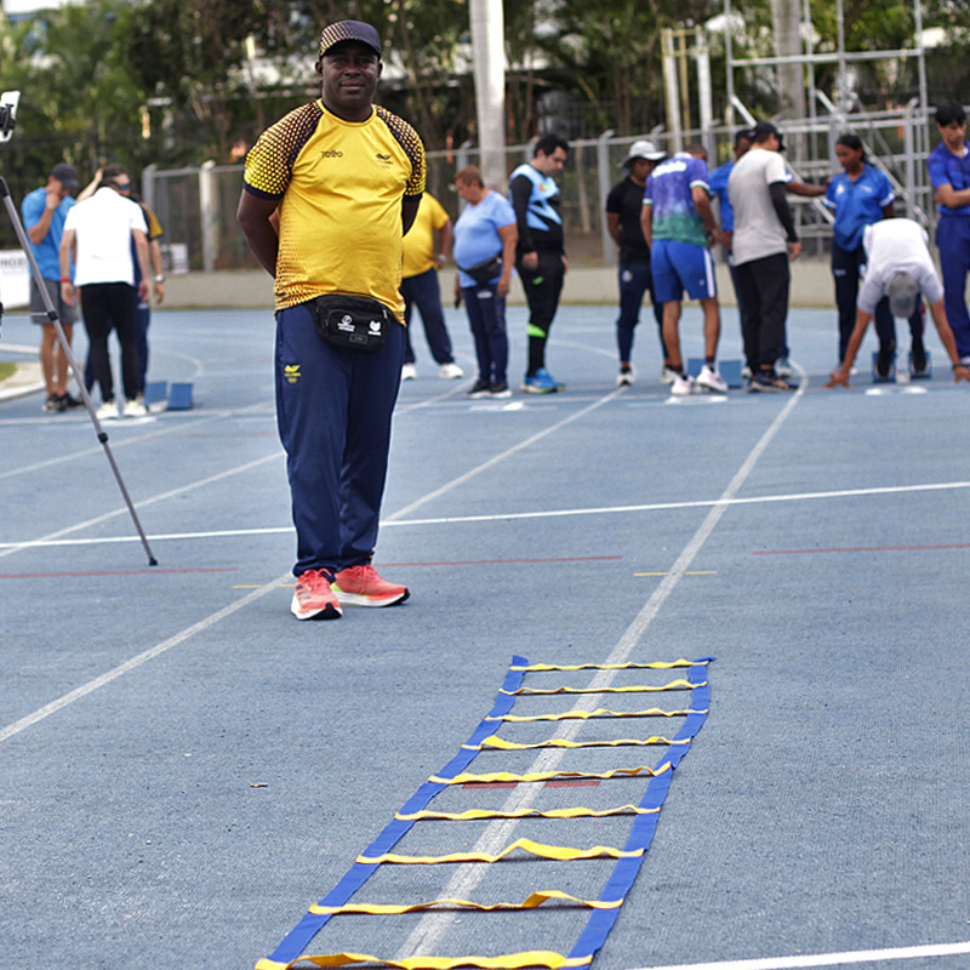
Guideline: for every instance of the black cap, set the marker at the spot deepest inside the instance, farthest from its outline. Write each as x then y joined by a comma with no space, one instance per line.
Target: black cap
745,134
66,175
349,30
765,128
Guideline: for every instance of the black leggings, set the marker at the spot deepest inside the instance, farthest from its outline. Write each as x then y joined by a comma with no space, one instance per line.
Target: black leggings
106,306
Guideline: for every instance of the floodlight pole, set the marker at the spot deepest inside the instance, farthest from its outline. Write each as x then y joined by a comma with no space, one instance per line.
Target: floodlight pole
72,360
488,51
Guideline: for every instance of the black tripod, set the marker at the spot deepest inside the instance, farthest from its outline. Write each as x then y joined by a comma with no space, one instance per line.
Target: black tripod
66,347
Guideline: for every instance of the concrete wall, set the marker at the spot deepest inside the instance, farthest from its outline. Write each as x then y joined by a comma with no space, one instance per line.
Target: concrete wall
811,287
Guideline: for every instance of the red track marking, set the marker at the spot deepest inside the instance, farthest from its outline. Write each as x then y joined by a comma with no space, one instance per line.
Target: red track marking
800,552
586,783
490,784
497,562
120,572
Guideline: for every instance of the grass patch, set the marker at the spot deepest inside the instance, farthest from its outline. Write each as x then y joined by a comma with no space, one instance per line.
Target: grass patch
7,369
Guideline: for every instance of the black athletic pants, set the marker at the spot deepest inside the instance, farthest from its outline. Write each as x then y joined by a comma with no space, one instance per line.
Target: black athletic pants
107,305
763,292
543,287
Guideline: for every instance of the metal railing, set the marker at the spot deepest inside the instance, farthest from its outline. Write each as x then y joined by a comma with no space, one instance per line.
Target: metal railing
197,206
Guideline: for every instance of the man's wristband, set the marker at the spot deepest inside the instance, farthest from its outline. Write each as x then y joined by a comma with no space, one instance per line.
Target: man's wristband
160,278
65,279
958,365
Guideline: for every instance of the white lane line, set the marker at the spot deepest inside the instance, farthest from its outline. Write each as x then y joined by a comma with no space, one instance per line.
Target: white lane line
504,516
522,445
142,658
134,662
701,503
182,489
827,959
432,927
157,431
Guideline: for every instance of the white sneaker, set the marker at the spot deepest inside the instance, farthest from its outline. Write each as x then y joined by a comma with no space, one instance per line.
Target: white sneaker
108,410
626,377
449,372
783,368
668,375
135,409
746,372
709,378
409,372
682,386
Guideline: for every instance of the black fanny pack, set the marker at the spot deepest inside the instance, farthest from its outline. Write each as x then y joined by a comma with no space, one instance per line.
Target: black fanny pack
486,270
352,322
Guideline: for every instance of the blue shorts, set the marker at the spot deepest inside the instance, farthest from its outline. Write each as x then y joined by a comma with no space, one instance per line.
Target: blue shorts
679,266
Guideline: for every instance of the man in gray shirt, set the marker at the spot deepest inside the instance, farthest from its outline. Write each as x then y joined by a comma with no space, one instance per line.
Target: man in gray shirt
764,242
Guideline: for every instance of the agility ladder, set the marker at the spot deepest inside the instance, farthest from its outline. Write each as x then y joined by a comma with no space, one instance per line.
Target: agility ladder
628,859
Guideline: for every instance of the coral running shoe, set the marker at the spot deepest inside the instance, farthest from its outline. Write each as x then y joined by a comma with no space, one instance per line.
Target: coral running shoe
361,586
313,599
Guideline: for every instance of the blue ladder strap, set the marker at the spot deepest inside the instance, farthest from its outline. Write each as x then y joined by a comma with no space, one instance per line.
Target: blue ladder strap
295,942
625,871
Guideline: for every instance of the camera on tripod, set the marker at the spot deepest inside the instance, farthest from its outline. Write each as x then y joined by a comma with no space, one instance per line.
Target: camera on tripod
8,113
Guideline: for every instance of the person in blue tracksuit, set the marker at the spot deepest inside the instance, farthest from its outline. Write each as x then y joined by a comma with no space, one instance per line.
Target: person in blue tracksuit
541,255
949,170
859,196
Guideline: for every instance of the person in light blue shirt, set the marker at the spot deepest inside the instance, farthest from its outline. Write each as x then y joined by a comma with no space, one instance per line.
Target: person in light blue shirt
949,170
484,251
44,211
859,196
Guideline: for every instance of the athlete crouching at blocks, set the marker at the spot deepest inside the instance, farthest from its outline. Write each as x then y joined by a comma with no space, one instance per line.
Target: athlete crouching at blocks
898,266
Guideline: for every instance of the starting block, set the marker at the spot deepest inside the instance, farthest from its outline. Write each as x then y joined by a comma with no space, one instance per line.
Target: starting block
156,395
730,370
927,374
180,397
910,373
876,379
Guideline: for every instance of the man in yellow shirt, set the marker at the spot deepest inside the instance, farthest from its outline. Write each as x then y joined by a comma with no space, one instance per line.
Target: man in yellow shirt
419,287
341,178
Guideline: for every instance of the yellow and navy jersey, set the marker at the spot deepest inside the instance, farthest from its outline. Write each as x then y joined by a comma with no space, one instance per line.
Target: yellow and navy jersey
154,226
419,251
340,185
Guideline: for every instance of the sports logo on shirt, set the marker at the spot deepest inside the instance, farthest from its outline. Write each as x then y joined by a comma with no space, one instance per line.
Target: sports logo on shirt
292,373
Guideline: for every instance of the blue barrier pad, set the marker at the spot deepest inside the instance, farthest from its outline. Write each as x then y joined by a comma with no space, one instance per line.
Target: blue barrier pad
180,397
155,392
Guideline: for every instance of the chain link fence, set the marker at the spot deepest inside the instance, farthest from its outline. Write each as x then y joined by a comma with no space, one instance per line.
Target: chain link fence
197,206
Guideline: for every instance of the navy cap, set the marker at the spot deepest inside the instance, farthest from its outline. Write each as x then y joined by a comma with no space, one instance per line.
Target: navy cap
764,128
66,175
349,30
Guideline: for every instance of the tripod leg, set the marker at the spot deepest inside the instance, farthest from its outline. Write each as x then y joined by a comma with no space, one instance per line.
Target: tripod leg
78,375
